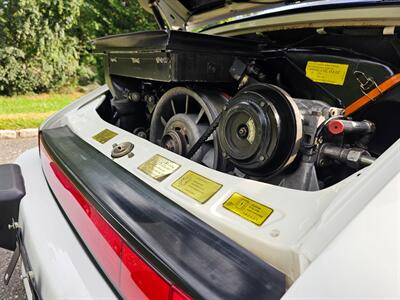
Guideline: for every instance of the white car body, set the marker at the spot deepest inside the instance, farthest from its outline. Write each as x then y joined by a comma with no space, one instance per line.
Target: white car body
340,242
362,209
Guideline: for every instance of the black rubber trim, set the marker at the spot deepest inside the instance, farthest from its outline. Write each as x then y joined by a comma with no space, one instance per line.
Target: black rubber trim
200,260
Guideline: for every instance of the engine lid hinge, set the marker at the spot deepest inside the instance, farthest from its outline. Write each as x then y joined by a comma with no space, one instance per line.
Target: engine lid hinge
170,14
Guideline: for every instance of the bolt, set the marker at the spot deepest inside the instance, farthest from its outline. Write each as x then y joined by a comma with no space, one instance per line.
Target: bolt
14,225
211,68
262,104
261,158
30,274
142,134
243,131
274,233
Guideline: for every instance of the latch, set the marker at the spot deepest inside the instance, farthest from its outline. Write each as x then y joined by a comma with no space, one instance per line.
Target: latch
366,83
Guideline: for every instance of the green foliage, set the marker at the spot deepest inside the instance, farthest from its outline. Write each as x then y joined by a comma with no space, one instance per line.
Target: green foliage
36,53
46,44
29,111
102,18
41,103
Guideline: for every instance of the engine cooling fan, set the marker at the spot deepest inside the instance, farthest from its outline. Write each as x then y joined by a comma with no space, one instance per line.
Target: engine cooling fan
180,118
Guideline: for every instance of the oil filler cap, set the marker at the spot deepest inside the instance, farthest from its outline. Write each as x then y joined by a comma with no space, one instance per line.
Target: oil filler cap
122,149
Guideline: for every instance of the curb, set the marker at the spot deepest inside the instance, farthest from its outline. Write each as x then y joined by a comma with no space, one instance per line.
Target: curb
20,133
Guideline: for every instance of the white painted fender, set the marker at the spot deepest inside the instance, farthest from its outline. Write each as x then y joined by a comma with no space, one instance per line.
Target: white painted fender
363,262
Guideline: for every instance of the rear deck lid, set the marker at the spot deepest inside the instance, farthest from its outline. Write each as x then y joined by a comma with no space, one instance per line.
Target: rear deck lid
198,15
174,14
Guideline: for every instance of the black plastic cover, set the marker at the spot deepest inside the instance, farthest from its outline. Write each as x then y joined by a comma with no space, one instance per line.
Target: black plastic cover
172,56
164,40
12,189
349,91
202,261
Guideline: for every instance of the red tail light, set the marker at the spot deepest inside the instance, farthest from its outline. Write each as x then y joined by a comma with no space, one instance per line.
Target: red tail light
131,275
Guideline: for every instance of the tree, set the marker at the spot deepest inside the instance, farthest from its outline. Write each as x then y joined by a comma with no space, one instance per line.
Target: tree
102,18
36,53
46,44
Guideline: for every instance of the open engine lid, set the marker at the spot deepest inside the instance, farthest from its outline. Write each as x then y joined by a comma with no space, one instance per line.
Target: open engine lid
174,14
199,15
196,6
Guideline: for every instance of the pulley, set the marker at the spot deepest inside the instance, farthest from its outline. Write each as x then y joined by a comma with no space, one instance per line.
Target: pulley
260,130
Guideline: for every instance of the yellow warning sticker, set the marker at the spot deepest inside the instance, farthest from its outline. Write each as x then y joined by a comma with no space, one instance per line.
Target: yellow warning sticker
325,72
159,167
248,209
196,186
104,136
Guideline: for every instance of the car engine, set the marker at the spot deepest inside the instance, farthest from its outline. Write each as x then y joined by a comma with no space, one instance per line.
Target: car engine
302,118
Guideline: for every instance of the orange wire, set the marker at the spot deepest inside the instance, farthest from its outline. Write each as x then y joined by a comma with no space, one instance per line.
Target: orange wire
383,87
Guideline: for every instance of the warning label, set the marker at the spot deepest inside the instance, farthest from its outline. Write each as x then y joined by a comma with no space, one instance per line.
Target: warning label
248,209
196,186
104,136
325,72
159,167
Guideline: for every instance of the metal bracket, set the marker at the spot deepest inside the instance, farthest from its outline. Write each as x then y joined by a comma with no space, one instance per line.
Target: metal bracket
12,265
20,251
14,225
174,14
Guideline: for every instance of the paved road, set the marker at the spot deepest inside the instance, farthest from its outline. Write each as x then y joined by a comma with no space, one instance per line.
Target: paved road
9,150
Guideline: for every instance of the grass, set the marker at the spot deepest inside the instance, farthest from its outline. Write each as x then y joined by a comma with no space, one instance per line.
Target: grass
31,110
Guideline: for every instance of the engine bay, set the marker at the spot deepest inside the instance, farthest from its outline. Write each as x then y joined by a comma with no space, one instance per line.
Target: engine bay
299,109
